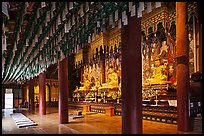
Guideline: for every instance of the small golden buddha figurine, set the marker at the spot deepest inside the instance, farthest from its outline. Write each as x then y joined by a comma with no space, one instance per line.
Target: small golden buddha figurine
76,90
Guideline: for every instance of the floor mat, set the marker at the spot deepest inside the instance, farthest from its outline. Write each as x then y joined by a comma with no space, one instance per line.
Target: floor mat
22,121
76,116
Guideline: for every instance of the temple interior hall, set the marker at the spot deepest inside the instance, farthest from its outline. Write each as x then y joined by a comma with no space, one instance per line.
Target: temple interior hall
102,68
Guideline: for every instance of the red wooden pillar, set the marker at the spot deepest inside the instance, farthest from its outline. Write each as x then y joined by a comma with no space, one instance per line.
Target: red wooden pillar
131,77
81,74
200,15
3,97
42,102
182,69
49,87
102,67
31,95
63,90
24,92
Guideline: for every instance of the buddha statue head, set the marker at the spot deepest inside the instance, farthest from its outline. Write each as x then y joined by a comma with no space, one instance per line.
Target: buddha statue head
110,70
157,60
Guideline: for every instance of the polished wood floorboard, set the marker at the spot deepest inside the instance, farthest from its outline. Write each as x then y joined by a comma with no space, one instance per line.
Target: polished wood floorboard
90,124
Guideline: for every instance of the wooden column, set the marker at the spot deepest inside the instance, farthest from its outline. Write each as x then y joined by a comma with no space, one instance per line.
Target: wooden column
102,67
200,15
24,92
31,95
22,96
42,96
81,74
3,98
182,69
131,77
63,90
49,88
27,91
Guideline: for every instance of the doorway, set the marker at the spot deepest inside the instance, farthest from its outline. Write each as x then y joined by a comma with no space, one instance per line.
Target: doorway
8,99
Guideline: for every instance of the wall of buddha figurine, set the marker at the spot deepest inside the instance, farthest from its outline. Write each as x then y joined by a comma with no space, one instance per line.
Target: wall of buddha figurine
159,38
113,59
92,72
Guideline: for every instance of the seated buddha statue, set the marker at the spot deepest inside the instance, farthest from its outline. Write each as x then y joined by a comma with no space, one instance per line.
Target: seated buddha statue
112,78
160,72
86,84
97,84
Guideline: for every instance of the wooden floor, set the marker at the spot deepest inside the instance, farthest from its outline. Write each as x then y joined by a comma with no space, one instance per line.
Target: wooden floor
90,124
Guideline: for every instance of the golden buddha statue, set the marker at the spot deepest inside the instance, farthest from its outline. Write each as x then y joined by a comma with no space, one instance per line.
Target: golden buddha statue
112,79
86,84
97,85
160,72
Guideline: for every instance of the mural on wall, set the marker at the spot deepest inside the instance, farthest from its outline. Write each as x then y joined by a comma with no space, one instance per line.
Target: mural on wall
154,50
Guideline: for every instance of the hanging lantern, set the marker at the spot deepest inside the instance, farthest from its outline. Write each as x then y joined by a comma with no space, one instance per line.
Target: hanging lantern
149,7
130,6
47,17
36,38
116,15
81,10
87,20
158,4
140,9
58,20
133,10
70,5
52,10
73,20
15,46
124,18
4,43
64,14
66,28
87,6
119,24
43,4
110,19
